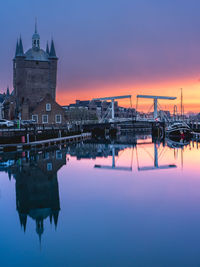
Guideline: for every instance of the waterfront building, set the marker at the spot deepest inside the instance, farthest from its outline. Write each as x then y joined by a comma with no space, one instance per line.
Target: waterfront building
99,109
48,111
34,81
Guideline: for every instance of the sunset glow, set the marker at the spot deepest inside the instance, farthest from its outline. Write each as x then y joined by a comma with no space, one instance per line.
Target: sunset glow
134,48
191,94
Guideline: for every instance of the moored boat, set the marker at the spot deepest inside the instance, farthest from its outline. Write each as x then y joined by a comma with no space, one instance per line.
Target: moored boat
178,129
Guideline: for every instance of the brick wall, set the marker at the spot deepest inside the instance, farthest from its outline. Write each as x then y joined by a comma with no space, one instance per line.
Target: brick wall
56,109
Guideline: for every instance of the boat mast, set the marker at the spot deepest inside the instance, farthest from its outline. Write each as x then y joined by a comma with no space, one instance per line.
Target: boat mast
181,103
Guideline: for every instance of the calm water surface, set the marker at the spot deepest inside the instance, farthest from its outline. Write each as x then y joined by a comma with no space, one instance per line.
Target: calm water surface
101,205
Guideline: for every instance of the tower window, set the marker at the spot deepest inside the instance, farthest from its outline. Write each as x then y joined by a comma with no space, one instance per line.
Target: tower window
48,107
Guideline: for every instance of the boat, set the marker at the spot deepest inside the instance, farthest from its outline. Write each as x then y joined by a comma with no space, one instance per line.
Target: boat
179,130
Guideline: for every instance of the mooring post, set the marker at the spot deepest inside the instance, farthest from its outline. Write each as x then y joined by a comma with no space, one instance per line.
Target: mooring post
23,139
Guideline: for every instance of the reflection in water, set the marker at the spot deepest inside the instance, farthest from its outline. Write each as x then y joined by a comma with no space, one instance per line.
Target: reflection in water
109,218
37,190
113,166
156,165
93,151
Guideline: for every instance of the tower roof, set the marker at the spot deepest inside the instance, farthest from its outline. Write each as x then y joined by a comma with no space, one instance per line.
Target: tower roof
47,48
36,54
17,48
52,53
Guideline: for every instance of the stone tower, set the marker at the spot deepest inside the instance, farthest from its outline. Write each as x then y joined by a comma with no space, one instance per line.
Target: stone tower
34,74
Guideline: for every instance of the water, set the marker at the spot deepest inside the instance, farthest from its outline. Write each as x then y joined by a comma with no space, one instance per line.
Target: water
101,205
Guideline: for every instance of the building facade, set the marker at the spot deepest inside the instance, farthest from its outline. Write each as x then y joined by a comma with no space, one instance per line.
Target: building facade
34,76
99,109
48,111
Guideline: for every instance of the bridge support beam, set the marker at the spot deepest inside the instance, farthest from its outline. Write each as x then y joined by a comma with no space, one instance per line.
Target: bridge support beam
155,113
113,109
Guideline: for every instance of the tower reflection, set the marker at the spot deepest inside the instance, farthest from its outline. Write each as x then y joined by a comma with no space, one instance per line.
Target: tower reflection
37,190
35,173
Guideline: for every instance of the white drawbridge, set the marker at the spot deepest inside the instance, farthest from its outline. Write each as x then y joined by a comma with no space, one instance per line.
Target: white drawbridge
155,99
112,99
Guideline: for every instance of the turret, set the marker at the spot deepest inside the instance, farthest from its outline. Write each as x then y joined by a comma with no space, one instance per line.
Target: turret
17,49
47,48
52,53
19,52
36,39
20,48
18,63
53,69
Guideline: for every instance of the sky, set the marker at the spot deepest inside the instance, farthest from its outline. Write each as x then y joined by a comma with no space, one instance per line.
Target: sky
111,47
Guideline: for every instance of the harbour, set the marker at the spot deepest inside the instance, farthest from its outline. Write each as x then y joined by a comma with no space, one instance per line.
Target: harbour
99,133
77,185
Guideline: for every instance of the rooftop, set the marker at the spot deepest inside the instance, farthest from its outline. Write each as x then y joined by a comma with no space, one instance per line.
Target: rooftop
36,54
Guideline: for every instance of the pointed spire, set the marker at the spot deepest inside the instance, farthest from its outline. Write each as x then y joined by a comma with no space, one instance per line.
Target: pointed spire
17,48
47,48
36,38
52,53
35,25
20,49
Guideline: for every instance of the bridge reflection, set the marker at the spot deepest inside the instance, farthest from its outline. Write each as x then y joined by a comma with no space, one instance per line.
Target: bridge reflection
35,174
